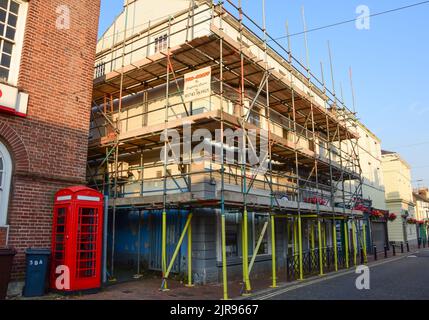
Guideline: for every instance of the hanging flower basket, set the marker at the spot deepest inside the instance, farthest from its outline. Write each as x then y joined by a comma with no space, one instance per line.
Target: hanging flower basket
376,214
392,217
411,221
361,207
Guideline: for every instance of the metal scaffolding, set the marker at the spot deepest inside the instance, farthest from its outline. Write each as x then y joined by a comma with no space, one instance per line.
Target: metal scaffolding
313,178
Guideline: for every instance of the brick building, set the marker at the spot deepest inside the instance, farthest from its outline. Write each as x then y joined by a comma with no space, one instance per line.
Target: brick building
47,53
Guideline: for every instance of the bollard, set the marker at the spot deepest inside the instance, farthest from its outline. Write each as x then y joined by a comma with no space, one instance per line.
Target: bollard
408,247
419,241
375,253
394,249
362,260
385,251
402,247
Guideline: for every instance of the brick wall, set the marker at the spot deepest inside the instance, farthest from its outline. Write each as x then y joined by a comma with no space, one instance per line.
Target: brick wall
49,147
3,235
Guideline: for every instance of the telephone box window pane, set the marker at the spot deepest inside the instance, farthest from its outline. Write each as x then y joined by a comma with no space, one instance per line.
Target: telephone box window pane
86,246
61,221
60,229
59,238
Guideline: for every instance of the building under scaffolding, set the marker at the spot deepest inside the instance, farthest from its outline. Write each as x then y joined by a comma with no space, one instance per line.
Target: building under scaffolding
187,202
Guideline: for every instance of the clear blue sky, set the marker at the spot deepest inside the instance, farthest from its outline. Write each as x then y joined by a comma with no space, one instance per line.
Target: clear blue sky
390,63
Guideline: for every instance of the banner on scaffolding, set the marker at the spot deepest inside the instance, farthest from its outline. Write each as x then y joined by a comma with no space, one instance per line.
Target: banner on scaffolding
197,84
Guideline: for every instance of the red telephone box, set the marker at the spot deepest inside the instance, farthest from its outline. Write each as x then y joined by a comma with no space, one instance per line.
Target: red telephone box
77,239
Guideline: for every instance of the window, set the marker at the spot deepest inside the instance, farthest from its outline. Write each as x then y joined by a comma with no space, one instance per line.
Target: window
9,10
5,177
161,43
259,223
231,239
233,235
100,69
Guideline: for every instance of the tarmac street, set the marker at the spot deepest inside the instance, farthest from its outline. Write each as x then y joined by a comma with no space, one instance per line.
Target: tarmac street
405,278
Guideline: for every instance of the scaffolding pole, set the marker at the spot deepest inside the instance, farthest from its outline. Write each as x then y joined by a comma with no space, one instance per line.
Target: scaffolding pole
319,230
346,243
176,252
165,172
190,284
222,161
334,239
273,252
364,244
354,242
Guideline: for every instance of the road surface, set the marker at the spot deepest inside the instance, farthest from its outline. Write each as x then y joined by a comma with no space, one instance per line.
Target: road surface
401,279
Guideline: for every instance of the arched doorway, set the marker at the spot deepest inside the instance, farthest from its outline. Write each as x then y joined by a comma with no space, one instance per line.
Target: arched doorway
5,178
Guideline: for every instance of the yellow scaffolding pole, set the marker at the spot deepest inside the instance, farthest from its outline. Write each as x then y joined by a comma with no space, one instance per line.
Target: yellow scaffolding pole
301,269
312,241
334,239
164,249
176,252
346,243
258,245
224,266
319,230
190,255
354,242
273,251
295,236
324,241
246,254
364,244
